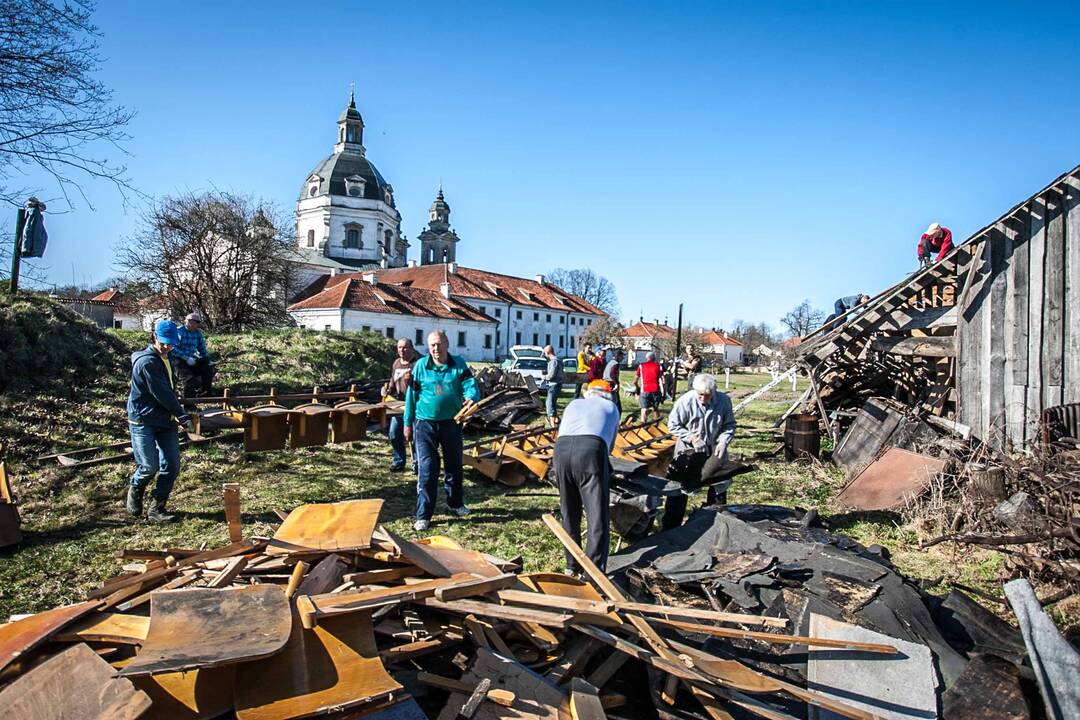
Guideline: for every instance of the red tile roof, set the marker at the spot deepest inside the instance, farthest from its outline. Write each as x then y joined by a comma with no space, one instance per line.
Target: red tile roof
350,291
107,295
490,286
718,338
646,330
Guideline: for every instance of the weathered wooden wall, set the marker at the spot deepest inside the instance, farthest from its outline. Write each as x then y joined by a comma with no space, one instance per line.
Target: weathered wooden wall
1018,326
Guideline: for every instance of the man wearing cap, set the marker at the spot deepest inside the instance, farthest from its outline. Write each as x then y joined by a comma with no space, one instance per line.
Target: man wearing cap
583,471
193,365
936,239
153,411
703,423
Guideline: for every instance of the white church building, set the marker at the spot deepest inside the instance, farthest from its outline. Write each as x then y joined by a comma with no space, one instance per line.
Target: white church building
355,274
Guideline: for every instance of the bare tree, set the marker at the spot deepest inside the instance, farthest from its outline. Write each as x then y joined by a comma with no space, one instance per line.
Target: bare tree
753,336
667,349
225,255
54,115
586,284
605,331
802,319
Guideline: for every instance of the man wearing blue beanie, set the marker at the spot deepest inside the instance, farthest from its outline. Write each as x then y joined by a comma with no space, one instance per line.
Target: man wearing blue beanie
153,412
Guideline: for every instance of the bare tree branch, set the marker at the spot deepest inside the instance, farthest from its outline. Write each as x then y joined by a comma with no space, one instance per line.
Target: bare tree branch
586,284
802,319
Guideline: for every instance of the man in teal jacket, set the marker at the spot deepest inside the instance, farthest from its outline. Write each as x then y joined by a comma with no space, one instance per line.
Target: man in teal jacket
442,384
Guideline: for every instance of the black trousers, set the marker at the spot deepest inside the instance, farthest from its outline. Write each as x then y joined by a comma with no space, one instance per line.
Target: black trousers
686,470
583,474
195,380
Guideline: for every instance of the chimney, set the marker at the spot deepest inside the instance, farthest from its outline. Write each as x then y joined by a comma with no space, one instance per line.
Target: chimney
333,272
370,278
540,279
451,268
444,288
412,263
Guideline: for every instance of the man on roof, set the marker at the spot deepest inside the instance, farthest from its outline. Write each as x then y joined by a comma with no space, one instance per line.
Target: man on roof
936,239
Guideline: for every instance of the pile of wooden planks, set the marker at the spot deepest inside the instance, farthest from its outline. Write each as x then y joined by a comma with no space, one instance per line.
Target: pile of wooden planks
509,400
336,616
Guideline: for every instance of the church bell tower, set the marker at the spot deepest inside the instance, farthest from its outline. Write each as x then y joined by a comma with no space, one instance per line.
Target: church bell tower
438,243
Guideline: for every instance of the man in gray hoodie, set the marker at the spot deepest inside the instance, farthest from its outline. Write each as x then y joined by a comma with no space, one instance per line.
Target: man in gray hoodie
153,412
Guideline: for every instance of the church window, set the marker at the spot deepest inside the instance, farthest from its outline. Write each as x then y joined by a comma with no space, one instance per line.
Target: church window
461,338
547,339
354,185
365,328
498,337
352,238
326,328
313,190
483,309
573,321
389,241
487,342
311,238
571,342
390,333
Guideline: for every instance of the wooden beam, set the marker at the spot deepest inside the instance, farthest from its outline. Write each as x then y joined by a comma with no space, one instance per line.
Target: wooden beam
585,701
472,588
777,638
231,494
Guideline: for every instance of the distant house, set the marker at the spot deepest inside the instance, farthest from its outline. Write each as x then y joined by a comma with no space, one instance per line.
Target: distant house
722,347
97,312
359,302
642,337
764,353
127,314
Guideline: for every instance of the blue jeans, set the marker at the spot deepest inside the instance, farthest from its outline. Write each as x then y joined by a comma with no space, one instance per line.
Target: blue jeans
552,398
157,452
430,436
396,433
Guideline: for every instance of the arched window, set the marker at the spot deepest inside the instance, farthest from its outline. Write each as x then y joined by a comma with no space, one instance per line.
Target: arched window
311,238
313,190
352,238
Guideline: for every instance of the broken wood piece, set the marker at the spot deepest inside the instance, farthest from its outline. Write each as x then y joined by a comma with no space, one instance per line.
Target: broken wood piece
325,577
777,638
21,636
186,578
501,697
607,669
295,577
75,683
312,607
410,650
501,612
651,609
478,695
332,527
471,588
225,576
477,631
203,627
570,604
107,627
231,494
192,695
585,701
383,575
578,653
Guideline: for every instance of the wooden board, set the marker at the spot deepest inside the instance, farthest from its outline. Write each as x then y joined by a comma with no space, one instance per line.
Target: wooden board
107,627
312,609
231,495
73,684
334,666
534,697
1072,290
324,577
266,428
309,425
23,635
327,526
200,628
459,560
191,695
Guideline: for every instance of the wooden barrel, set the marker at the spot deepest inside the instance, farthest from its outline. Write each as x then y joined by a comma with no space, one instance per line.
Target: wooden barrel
802,436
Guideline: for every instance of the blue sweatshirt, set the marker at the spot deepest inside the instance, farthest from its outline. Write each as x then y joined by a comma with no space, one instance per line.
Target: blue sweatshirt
437,392
152,400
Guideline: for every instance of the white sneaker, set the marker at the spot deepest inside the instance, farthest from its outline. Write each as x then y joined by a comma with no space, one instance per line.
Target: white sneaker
460,511
421,525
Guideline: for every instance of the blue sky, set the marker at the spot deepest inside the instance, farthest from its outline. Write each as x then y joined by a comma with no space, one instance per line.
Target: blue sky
736,157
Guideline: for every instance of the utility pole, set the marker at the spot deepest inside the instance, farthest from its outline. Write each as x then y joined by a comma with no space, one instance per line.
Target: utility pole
675,360
20,221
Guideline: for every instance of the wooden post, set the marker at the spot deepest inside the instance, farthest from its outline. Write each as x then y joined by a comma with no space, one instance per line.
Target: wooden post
20,222
225,402
231,493
727,378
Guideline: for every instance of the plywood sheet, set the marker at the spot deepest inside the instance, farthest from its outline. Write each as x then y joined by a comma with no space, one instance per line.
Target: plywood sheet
888,482
107,627
22,635
191,695
203,627
459,560
327,526
535,698
76,683
333,666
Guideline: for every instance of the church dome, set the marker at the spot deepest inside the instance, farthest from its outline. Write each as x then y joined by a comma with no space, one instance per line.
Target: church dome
348,175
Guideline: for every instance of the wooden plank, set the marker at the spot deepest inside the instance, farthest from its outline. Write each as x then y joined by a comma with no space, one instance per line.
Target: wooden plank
407,651
107,627
1071,379
75,683
1016,330
969,330
499,612
315,607
331,667
333,527
496,695
479,586
231,494
225,577
999,251
19,637
570,604
240,548
470,706
607,669
383,575
327,575
585,701
200,627
186,578
1036,270
777,638
672,611
1053,348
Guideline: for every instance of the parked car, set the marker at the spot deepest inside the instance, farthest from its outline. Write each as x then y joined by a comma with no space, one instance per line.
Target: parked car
531,367
518,352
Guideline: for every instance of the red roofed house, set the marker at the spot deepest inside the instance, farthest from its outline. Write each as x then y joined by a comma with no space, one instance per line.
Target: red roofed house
722,346
643,337
126,312
360,302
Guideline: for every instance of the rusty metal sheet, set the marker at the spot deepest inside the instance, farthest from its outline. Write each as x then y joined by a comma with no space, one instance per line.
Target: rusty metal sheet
22,635
349,421
888,482
191,695
203,627
266,428
76,683
327,526
333,666
309,425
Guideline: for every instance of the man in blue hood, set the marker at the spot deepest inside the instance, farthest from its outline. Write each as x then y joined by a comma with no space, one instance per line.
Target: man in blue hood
153,412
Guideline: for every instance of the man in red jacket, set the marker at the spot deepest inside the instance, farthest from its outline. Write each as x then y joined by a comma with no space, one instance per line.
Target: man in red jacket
647,378
936,239
596,365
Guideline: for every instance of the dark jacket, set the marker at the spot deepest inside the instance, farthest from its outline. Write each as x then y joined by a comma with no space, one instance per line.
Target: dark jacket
152,400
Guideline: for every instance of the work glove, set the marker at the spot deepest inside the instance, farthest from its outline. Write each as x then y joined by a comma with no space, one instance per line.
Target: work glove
190,360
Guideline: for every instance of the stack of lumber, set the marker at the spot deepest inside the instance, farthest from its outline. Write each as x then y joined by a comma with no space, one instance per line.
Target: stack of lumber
335,616
509,399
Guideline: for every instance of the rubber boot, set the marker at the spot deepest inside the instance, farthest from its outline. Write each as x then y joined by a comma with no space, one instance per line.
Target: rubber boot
157,513
134,500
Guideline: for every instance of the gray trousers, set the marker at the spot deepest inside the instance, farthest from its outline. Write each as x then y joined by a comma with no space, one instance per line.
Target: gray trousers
583,474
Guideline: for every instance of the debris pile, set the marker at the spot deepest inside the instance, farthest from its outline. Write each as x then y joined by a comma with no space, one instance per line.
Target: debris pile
336,614
510,400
